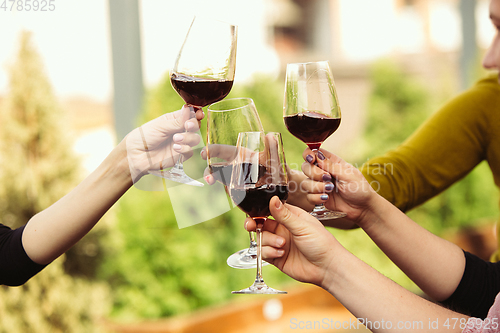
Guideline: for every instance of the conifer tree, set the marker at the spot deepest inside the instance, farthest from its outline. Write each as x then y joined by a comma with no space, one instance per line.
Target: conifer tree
37,167
37,164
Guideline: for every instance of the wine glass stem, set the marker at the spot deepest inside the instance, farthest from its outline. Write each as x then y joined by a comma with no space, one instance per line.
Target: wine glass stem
260,223
178,168
252,249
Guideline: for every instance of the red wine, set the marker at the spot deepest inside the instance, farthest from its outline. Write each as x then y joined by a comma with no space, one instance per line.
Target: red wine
255,200
222,172
311,127
198,91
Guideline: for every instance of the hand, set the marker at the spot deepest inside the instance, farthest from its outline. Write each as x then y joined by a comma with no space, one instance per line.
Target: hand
297,243
297,196
225,153
157,144
348,191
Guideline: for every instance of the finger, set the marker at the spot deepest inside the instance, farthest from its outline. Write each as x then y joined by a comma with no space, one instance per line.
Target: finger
199,113
192,125
189,139
314,172
269,225
271,239
209,178
203,153
270,253
314,187
337,167
185,150
309,156
250,224
169,123
293,218
223,152
317,199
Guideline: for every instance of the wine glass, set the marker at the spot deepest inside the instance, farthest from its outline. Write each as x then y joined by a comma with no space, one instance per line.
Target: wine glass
258,174
311,111
225,120
203,74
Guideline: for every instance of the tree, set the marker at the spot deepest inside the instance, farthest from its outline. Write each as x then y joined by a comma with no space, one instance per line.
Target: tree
37,167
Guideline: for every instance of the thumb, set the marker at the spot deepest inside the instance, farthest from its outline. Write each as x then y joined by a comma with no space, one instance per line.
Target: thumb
174,122
295,219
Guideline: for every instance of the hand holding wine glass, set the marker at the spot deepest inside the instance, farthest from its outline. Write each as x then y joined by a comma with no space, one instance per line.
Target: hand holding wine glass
259,173
203,73
311,111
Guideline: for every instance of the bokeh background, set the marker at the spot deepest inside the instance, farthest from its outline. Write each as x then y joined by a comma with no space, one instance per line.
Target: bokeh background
75,79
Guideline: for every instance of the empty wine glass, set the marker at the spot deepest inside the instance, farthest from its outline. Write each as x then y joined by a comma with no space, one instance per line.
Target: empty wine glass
311,111
259,173
225,120
203,74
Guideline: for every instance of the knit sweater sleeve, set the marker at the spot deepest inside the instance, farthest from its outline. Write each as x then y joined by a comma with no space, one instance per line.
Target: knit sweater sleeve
440,152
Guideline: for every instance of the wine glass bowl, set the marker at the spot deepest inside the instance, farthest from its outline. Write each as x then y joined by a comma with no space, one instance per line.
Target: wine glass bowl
311,111
259,173
203,73
225,120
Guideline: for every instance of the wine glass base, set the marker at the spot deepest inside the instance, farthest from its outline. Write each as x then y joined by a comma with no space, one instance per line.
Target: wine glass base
244,259
176,177
259,288
328,215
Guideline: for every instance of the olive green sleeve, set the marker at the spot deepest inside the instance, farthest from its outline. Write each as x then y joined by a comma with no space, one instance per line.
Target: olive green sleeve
443,150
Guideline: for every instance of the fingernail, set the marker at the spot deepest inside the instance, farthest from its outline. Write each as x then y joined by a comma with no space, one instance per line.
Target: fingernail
278,204
327,177
324,197
246,223
280,252
176,146
207,179
189,125
309,158
320,155
280,242
329,187
178,137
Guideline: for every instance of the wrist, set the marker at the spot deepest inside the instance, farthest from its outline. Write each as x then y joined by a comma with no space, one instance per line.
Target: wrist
116,165
375,211
335,271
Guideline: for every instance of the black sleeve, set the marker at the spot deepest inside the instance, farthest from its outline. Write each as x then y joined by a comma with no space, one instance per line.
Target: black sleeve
478,288
15,266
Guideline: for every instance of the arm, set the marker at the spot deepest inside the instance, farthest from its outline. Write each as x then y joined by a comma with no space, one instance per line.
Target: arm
311,254
53,231
433,263
443,150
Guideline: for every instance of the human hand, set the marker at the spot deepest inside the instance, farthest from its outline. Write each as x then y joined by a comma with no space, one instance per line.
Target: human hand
297,195
157,144
224,155
297,243
336,183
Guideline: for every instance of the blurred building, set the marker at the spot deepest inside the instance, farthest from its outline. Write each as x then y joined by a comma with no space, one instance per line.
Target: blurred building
438,41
